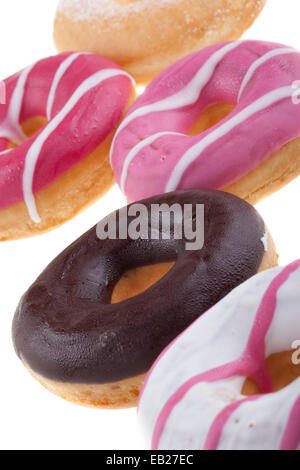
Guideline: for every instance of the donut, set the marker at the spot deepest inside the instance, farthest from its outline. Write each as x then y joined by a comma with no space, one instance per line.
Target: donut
231,381
146,36
223,118
92,324
56,129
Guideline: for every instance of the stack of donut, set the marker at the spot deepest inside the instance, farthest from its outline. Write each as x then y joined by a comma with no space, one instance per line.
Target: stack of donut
218,127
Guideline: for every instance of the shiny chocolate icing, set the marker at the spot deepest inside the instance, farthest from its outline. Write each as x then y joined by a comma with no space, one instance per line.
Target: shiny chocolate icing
65,327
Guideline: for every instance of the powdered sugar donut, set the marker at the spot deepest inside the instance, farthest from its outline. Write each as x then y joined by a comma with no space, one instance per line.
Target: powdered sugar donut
146,36
55,132
196,396
162,145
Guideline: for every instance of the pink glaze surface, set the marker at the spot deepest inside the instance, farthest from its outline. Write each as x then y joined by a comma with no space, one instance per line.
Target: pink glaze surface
152,152
47,89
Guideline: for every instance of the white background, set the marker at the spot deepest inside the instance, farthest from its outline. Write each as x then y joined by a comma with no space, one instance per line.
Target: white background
31,417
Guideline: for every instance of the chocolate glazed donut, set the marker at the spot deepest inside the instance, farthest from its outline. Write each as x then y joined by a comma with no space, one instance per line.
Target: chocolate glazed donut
88,350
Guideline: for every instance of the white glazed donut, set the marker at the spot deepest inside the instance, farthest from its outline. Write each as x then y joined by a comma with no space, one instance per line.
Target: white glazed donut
192,396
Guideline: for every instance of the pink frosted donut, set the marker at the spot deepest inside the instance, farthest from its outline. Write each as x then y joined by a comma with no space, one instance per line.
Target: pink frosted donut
196,396
71,103
251,152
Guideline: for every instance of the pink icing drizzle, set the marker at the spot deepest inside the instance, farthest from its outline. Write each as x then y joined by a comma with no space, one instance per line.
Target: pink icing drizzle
215,433
291,435
250,364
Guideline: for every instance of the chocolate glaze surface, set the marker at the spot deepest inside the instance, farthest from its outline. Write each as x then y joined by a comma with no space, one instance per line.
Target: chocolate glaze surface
65,328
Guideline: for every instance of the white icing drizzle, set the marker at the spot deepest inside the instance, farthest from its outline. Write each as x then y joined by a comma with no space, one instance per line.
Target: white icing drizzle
135,150
186,96
269,55
10,128
34,151
64,66
3,152
195,151
265,241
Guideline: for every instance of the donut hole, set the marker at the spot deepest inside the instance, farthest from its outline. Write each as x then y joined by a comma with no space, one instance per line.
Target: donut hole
137,280
30,127
282,372
210,117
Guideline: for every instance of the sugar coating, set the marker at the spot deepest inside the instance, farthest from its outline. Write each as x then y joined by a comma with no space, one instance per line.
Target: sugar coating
81,10
85,10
